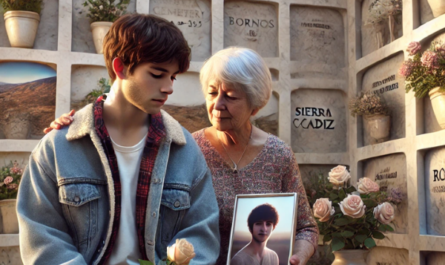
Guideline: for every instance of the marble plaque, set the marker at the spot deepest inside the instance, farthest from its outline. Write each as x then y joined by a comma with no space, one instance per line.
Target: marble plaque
370,33
84,79
390,173
387,256
10,256
82,40
251,25
192,17
426,14
318,121
47,32
435,191
383,78
317,38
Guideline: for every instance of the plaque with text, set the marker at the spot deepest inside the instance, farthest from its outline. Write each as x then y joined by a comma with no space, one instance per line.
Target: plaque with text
435,191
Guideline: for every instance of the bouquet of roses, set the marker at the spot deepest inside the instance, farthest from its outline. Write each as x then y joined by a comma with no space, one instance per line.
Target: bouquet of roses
9,181
180,253
348,217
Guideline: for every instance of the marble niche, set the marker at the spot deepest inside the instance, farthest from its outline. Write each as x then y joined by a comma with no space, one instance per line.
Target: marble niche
251,25
387,256
85,78
192,17
435,191
317,42
318,121
383,79
390,173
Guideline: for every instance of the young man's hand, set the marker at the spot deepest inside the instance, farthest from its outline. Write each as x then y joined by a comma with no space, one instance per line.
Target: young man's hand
59,123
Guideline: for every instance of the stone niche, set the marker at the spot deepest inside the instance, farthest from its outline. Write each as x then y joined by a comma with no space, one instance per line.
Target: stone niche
318,121
21,157
435,191
372,34
27,99
387,256
425,12
85,79
390,173
251,25
317,41
267,118
193,18
432,258
383,78
82,40
47,32
10,256
309,172
429,119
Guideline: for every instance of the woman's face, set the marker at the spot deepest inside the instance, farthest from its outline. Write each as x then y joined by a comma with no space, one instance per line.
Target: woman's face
228,109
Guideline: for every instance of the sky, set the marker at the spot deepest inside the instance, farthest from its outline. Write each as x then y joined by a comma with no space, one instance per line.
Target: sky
284,206
22,72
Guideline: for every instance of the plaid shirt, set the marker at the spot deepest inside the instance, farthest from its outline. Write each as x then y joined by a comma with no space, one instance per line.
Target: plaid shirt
155,135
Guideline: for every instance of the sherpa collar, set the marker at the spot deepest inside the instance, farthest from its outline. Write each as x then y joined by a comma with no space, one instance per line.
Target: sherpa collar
83,124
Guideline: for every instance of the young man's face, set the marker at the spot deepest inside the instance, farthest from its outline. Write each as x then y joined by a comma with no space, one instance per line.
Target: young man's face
150,84
262,230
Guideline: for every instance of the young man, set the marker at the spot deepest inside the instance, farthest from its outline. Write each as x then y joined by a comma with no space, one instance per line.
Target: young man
125,180
261,221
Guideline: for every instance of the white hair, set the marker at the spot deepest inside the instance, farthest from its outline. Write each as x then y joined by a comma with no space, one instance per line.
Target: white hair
242,69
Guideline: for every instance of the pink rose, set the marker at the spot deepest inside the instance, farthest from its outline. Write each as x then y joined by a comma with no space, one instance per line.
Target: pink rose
12,186
181,252
384,213
413,47
339,175
8,180
366,185
323,209
353,206
406,69
429,59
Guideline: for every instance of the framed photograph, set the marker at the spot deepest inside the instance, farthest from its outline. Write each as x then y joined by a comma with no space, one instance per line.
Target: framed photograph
263,223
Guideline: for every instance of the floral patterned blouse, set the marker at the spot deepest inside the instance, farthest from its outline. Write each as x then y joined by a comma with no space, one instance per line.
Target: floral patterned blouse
274,170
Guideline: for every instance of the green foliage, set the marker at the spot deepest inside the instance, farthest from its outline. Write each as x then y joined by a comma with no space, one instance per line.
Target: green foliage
105,10
145,262
421,77
104,87
10,177
22,5
345,232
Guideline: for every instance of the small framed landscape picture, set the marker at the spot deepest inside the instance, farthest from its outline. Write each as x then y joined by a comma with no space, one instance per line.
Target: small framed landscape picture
263,229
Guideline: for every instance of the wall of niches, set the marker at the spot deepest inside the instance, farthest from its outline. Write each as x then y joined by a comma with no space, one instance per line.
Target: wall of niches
411,159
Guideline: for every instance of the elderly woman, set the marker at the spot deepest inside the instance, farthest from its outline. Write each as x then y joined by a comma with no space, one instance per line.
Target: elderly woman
244,159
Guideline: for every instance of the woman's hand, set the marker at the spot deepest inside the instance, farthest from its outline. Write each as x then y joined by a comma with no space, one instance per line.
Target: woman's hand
303,250
59,123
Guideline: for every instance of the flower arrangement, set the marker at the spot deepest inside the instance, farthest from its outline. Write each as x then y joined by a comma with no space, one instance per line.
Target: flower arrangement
22,5
105,10
104,87
380,10
9,181
368,103
180,253
424,71
348,217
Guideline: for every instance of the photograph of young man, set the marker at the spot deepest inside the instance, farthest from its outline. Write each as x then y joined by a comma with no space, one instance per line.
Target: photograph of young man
125,180
261,222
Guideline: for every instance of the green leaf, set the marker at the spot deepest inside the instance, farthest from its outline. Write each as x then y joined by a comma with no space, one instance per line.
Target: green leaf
333,196
382,228
350,189
370,243
389,228
327,238
347,234
378,235
145,262
337,244
361,238
341,222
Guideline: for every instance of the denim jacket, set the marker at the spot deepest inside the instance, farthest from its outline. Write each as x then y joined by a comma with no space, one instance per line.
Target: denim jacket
66,198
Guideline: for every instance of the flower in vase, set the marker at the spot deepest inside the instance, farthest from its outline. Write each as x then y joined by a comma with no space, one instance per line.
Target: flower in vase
406,69
384,213
323,209
8,180
353,206
430,60
366,185
413,47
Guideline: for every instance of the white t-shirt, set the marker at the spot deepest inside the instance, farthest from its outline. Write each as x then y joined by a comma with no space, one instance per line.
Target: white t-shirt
126,247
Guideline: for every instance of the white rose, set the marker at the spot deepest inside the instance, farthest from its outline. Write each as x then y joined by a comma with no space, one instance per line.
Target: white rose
366,185
339,175
181,252
323,209
384,213
353,206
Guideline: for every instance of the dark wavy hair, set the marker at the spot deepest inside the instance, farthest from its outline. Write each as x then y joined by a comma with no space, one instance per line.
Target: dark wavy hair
263,212
140,38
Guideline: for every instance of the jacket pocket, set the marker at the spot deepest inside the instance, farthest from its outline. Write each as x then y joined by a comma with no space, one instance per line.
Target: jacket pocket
80,206
174,205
